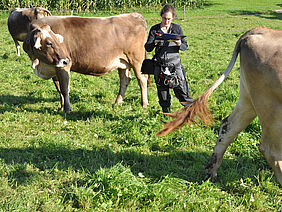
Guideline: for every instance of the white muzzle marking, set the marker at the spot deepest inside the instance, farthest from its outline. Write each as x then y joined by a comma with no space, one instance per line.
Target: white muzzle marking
63,63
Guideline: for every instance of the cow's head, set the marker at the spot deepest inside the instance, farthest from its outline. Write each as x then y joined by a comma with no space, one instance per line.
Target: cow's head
42,43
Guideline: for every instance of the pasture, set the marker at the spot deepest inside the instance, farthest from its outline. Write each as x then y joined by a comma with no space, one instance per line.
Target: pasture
105,158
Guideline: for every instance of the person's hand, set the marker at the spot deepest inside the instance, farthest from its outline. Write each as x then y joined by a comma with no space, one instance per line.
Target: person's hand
177,42
157,41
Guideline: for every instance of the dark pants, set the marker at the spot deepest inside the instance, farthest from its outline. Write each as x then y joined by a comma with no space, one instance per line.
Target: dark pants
181,91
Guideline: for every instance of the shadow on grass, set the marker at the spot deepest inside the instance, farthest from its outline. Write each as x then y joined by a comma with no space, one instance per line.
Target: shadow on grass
267,14
244,13
189,166
207,4
9,102
20,100
84,115
272,16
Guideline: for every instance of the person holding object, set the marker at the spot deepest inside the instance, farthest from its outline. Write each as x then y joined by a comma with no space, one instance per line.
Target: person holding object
168,72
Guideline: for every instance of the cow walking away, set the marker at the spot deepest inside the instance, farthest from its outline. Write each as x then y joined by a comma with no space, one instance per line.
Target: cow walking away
94,46
260,95
19,21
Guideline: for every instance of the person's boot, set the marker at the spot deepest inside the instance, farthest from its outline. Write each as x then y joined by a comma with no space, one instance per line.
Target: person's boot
166,109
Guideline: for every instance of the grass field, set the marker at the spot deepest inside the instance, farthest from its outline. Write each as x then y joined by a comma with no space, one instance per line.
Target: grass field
105,158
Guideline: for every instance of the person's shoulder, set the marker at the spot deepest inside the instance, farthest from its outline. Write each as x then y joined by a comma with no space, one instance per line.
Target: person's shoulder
175,26
155,27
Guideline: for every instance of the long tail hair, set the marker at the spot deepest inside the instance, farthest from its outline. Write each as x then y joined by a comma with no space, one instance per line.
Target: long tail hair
199,108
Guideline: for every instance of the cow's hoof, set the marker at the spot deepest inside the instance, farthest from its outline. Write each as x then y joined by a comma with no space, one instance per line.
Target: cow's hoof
144,105
116,104
212,179
211,176
60,109
68,110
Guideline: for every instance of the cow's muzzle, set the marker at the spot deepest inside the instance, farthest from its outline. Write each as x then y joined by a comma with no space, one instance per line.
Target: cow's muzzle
63,63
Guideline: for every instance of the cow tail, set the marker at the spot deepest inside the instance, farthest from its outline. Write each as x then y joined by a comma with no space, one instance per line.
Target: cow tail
199,106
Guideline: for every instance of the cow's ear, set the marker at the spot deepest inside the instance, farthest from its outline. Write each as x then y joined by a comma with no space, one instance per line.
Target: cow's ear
60,38
37,42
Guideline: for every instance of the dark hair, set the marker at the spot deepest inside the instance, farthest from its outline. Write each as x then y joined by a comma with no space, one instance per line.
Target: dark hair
168,8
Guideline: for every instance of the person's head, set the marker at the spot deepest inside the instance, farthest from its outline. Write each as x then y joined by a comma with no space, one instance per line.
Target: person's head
167,14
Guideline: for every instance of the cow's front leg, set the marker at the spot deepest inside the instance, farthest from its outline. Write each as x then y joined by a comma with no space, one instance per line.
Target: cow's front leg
142,81
64,78
57,85
241,116
125,78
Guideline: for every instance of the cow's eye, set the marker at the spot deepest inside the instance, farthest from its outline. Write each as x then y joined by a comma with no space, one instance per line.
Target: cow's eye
48,44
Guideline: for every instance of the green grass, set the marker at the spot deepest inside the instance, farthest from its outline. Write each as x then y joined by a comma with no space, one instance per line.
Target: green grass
104,158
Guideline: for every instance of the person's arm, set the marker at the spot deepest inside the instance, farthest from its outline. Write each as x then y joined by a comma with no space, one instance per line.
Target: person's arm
150,44
181,43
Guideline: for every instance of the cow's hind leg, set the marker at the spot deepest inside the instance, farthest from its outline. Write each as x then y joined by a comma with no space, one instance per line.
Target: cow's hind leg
272,153
17,46
271,141
125,78
241,116
57,85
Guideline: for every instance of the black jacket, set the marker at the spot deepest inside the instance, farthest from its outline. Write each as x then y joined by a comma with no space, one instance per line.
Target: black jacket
174,29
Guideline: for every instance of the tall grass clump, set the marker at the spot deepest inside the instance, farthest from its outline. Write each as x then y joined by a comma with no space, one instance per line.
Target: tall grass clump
94,5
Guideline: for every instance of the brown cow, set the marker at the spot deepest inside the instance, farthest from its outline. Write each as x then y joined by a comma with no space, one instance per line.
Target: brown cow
19,21
93,46
260,95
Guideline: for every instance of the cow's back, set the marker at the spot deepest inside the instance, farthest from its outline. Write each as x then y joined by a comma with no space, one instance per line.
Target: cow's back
261,61
94,42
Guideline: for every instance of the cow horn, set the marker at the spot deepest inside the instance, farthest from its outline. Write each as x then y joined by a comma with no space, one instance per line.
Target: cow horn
48,12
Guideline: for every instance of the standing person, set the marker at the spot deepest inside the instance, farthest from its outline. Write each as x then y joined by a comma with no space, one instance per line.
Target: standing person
168,61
